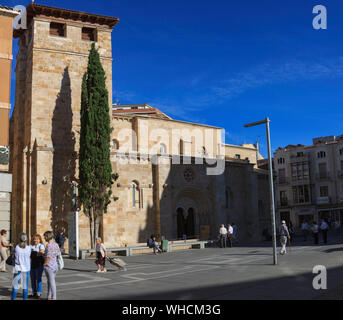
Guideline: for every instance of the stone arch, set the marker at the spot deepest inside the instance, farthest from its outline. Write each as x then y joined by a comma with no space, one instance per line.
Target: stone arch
195,207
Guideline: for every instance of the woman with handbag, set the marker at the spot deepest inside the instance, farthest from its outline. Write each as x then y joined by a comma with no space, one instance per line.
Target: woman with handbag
51,253
37,260
22,266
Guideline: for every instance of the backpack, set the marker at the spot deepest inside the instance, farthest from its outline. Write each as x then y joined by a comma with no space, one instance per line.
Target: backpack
60,261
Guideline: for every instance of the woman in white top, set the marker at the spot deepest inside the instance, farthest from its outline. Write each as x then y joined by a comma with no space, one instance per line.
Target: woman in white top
22,267
3,251
37,260
101,255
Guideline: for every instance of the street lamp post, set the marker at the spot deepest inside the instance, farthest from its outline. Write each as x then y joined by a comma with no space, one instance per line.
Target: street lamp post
271,184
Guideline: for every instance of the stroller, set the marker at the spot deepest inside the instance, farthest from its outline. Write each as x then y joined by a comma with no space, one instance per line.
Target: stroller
118,263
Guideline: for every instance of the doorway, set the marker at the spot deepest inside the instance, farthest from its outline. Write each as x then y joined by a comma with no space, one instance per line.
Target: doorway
185,223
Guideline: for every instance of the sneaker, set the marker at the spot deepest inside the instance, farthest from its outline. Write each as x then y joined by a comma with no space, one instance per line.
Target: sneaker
104,270
98,271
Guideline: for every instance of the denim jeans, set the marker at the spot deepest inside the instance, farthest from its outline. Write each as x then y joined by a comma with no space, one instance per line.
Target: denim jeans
50,276
156,248
17,278
36,279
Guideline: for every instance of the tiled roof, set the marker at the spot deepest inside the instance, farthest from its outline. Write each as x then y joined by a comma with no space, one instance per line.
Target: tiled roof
34,10
152,112
9,9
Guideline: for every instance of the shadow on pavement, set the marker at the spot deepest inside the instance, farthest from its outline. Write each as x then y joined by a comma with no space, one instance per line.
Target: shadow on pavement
298,287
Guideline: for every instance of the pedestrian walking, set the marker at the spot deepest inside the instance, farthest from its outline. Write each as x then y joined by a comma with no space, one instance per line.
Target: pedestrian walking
101,254
284,235
229,235
22,266
60,240
3,251
51,253
315,231
305,229
324,227
37,261
153,244
222,235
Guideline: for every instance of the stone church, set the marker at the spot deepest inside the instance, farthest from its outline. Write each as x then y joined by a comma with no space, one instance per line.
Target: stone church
193,182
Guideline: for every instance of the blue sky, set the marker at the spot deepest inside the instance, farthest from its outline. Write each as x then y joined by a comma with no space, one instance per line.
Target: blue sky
229,62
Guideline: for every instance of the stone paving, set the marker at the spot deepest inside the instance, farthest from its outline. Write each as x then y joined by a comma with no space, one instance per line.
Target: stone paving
213,273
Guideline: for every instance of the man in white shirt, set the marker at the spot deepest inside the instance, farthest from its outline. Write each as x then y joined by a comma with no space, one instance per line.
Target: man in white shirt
222,235
324,229
229,234
304,228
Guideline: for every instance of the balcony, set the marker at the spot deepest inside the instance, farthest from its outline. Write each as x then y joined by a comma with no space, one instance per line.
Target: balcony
323,176
323,200
301,179
303,158
282,180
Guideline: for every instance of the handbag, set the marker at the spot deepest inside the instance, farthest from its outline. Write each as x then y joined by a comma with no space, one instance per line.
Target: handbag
60,261
11,260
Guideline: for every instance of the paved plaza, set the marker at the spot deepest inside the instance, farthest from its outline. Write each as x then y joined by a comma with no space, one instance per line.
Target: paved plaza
244,272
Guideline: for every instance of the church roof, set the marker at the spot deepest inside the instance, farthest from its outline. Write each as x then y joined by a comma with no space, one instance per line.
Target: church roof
138,109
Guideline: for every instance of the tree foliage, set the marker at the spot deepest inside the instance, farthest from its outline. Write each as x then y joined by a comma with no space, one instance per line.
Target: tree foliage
95,170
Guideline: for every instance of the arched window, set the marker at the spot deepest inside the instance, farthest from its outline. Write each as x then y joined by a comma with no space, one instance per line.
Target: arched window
135,199
115,144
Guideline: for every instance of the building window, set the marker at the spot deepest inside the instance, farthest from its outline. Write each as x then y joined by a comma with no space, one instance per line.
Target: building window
341,152
181,146
238,156
115,144
89,34
57,29
300,154
282,175
324,191
323,173
300,171
283,198
281,160
188,175
321,154
301,194
135,195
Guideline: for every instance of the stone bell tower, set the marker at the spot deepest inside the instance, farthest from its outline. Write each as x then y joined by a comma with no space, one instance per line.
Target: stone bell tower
52,58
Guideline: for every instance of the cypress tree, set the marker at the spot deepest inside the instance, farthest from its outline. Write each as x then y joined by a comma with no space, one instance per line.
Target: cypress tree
95,170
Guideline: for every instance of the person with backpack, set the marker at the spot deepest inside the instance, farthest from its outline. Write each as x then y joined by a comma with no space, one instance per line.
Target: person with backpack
21,268
151,243
37,260
284,235
51,266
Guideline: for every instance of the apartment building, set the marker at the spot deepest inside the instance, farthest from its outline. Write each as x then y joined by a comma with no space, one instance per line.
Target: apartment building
309,183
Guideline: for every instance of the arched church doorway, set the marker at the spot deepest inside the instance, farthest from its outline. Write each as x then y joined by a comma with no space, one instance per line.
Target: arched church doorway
185,223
